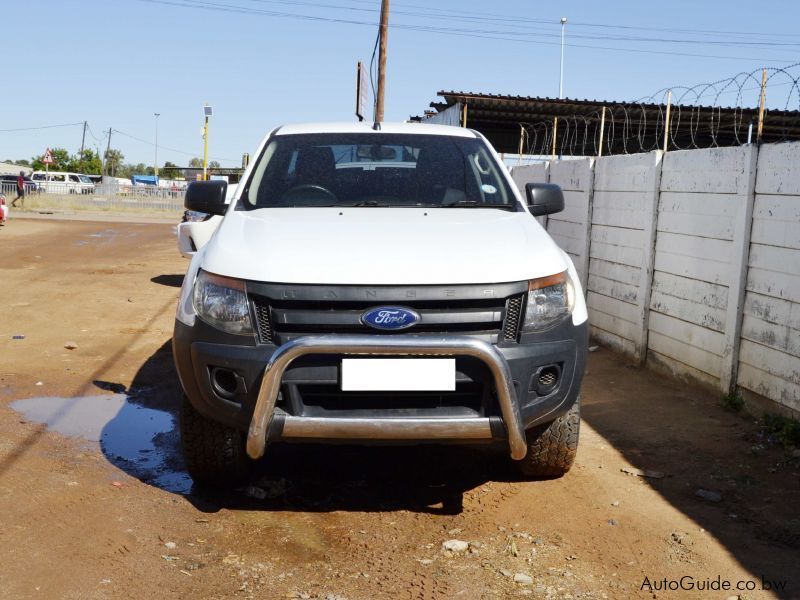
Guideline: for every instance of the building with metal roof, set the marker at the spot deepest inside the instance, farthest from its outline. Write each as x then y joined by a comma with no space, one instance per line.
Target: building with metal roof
571,127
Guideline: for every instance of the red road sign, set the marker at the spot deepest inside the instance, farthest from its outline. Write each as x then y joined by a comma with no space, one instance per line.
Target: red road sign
48,157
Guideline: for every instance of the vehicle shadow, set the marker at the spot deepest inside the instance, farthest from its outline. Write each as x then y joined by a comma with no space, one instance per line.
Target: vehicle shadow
680,430
143,440
168,280
654,422
323,478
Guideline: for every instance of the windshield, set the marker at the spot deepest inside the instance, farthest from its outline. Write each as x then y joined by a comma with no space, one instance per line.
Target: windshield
376,169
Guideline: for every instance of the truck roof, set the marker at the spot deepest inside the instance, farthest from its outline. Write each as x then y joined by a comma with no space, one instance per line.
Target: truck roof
367,127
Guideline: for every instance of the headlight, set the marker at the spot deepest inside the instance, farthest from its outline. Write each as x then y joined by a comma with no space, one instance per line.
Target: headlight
222,303
549,300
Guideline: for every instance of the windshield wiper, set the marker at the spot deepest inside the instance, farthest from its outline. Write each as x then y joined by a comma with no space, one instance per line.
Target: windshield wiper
476,204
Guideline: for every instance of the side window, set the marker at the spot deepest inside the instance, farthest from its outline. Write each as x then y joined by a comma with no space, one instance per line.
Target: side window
59,178
38,176
74,178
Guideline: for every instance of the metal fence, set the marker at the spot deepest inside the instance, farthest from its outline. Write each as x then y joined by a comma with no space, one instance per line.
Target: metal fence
103,197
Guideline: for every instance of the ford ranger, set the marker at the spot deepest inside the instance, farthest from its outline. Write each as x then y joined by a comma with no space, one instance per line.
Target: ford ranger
382,284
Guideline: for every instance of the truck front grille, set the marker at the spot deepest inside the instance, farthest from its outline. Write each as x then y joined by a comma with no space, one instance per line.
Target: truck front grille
263,322
512,321
493,319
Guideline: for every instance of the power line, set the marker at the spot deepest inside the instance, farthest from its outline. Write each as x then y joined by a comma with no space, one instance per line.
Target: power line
96,139
192,154
42,127
472,33
515,20
521,22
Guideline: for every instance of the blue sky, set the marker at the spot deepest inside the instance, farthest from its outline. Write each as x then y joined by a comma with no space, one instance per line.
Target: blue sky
116,62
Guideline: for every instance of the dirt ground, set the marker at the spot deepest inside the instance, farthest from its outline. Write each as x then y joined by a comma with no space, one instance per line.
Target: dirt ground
82,519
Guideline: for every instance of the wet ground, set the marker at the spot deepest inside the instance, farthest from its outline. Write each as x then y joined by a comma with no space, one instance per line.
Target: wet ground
95,502
141,441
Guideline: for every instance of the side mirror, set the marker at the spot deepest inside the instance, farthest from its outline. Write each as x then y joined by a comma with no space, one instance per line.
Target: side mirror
544,198
207,197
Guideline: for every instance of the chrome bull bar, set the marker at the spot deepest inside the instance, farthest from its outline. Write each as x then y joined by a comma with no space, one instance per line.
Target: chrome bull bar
386,428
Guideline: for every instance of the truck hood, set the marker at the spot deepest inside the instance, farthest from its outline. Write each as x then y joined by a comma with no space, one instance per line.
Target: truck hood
382,246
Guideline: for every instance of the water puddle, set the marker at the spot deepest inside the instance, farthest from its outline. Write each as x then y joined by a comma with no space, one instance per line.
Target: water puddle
134,438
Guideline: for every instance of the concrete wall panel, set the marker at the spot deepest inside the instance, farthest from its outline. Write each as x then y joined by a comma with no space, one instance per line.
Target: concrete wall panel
691,259
769,360
576,178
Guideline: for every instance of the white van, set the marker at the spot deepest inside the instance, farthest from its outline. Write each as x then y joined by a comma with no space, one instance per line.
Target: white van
61,182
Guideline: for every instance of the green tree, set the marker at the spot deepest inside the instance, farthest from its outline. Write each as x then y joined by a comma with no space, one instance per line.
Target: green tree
196,163
170,171
141,169
89,163
214,165
61,161
114,162
129,169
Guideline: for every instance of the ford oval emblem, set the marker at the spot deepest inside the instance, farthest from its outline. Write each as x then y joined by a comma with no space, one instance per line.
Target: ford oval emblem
390,318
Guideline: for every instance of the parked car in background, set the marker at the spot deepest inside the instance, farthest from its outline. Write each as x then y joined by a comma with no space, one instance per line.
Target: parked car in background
3,210
8,184
60,182
196,228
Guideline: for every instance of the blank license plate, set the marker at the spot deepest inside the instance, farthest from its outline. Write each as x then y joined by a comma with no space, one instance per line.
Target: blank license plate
398,374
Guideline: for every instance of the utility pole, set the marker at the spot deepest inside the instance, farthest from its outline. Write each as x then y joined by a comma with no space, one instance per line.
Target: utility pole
207,112
560,86
83,140
666,121
761,104
108,149
384,38
155,164
561,76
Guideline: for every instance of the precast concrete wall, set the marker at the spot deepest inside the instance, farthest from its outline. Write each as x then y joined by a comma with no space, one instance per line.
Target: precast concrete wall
621,248
769,353
690,261
570,227
704,196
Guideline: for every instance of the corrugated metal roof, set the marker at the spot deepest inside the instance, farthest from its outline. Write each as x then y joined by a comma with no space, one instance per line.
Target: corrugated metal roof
452,97
631,126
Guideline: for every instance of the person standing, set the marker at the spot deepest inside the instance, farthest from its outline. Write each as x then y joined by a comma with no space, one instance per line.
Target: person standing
20,189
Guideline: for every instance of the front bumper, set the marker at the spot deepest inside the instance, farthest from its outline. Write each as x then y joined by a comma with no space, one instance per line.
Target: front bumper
509,369
389,428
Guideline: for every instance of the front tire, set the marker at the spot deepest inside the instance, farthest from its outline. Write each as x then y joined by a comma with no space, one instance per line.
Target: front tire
552,447
215,454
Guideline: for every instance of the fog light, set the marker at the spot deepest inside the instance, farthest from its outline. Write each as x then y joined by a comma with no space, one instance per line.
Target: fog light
225,382
547,379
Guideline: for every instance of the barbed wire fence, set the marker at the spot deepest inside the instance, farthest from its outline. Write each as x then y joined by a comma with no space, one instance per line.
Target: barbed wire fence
727,112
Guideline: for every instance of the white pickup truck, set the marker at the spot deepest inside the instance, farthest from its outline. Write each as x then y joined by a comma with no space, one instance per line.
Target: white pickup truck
378,284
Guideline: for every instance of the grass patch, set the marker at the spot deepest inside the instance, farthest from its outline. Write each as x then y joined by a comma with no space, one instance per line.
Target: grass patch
733,402
785,430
